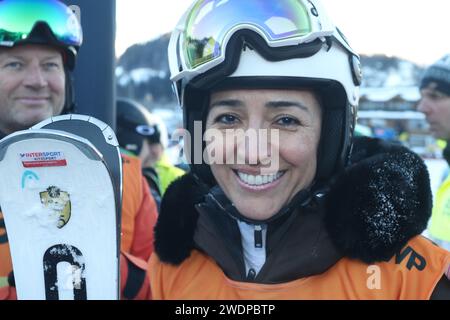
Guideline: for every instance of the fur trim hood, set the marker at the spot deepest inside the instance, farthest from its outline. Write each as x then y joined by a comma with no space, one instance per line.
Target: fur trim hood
372,208
381,201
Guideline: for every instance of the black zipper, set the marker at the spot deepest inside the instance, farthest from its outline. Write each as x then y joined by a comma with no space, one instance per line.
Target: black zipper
258,237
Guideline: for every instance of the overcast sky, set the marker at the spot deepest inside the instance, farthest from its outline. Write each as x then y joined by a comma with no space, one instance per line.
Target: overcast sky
416,30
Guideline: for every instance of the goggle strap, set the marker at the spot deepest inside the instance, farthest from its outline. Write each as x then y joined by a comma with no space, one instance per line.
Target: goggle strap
238,43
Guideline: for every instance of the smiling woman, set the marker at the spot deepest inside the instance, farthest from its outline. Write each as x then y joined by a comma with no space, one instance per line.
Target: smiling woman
332,209
296,115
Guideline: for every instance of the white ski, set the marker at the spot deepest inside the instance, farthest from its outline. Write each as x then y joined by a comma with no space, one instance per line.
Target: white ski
59,202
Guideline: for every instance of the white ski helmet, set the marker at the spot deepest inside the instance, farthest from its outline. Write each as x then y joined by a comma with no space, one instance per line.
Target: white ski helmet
267,44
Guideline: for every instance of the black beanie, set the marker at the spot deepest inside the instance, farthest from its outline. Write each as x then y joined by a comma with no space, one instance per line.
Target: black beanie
438,73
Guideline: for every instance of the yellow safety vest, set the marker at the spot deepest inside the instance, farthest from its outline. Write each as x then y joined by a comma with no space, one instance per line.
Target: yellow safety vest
167,173
440,219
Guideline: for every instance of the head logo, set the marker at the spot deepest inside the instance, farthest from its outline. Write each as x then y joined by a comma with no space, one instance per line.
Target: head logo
27,177
59,202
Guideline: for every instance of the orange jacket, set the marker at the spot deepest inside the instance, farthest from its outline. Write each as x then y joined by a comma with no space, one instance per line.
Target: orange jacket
138,219
139,212
412,274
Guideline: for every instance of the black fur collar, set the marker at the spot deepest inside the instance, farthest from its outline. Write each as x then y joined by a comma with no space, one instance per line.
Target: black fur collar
373,208
381,201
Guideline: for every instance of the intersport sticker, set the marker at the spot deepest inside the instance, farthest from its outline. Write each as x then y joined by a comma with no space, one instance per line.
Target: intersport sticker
43,159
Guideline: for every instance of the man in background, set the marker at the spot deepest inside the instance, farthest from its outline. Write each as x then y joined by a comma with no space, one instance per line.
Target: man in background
145,135
435,104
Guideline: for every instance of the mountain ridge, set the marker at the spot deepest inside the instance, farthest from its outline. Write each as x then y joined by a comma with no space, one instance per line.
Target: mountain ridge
143,72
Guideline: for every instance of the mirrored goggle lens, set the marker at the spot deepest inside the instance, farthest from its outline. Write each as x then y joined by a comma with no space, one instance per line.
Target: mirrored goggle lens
18,17
210,21
146,130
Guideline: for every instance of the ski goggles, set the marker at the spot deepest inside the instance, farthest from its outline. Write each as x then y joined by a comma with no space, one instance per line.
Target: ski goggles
201,38
151,133
19,17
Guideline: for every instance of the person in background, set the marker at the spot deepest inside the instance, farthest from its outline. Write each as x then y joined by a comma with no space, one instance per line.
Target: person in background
37,57
145,135
318,214
435,104
129,117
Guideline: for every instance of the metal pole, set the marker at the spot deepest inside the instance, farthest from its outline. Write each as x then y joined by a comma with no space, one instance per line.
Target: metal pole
95,69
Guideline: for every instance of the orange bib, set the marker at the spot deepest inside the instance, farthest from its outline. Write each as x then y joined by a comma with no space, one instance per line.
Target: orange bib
412,274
